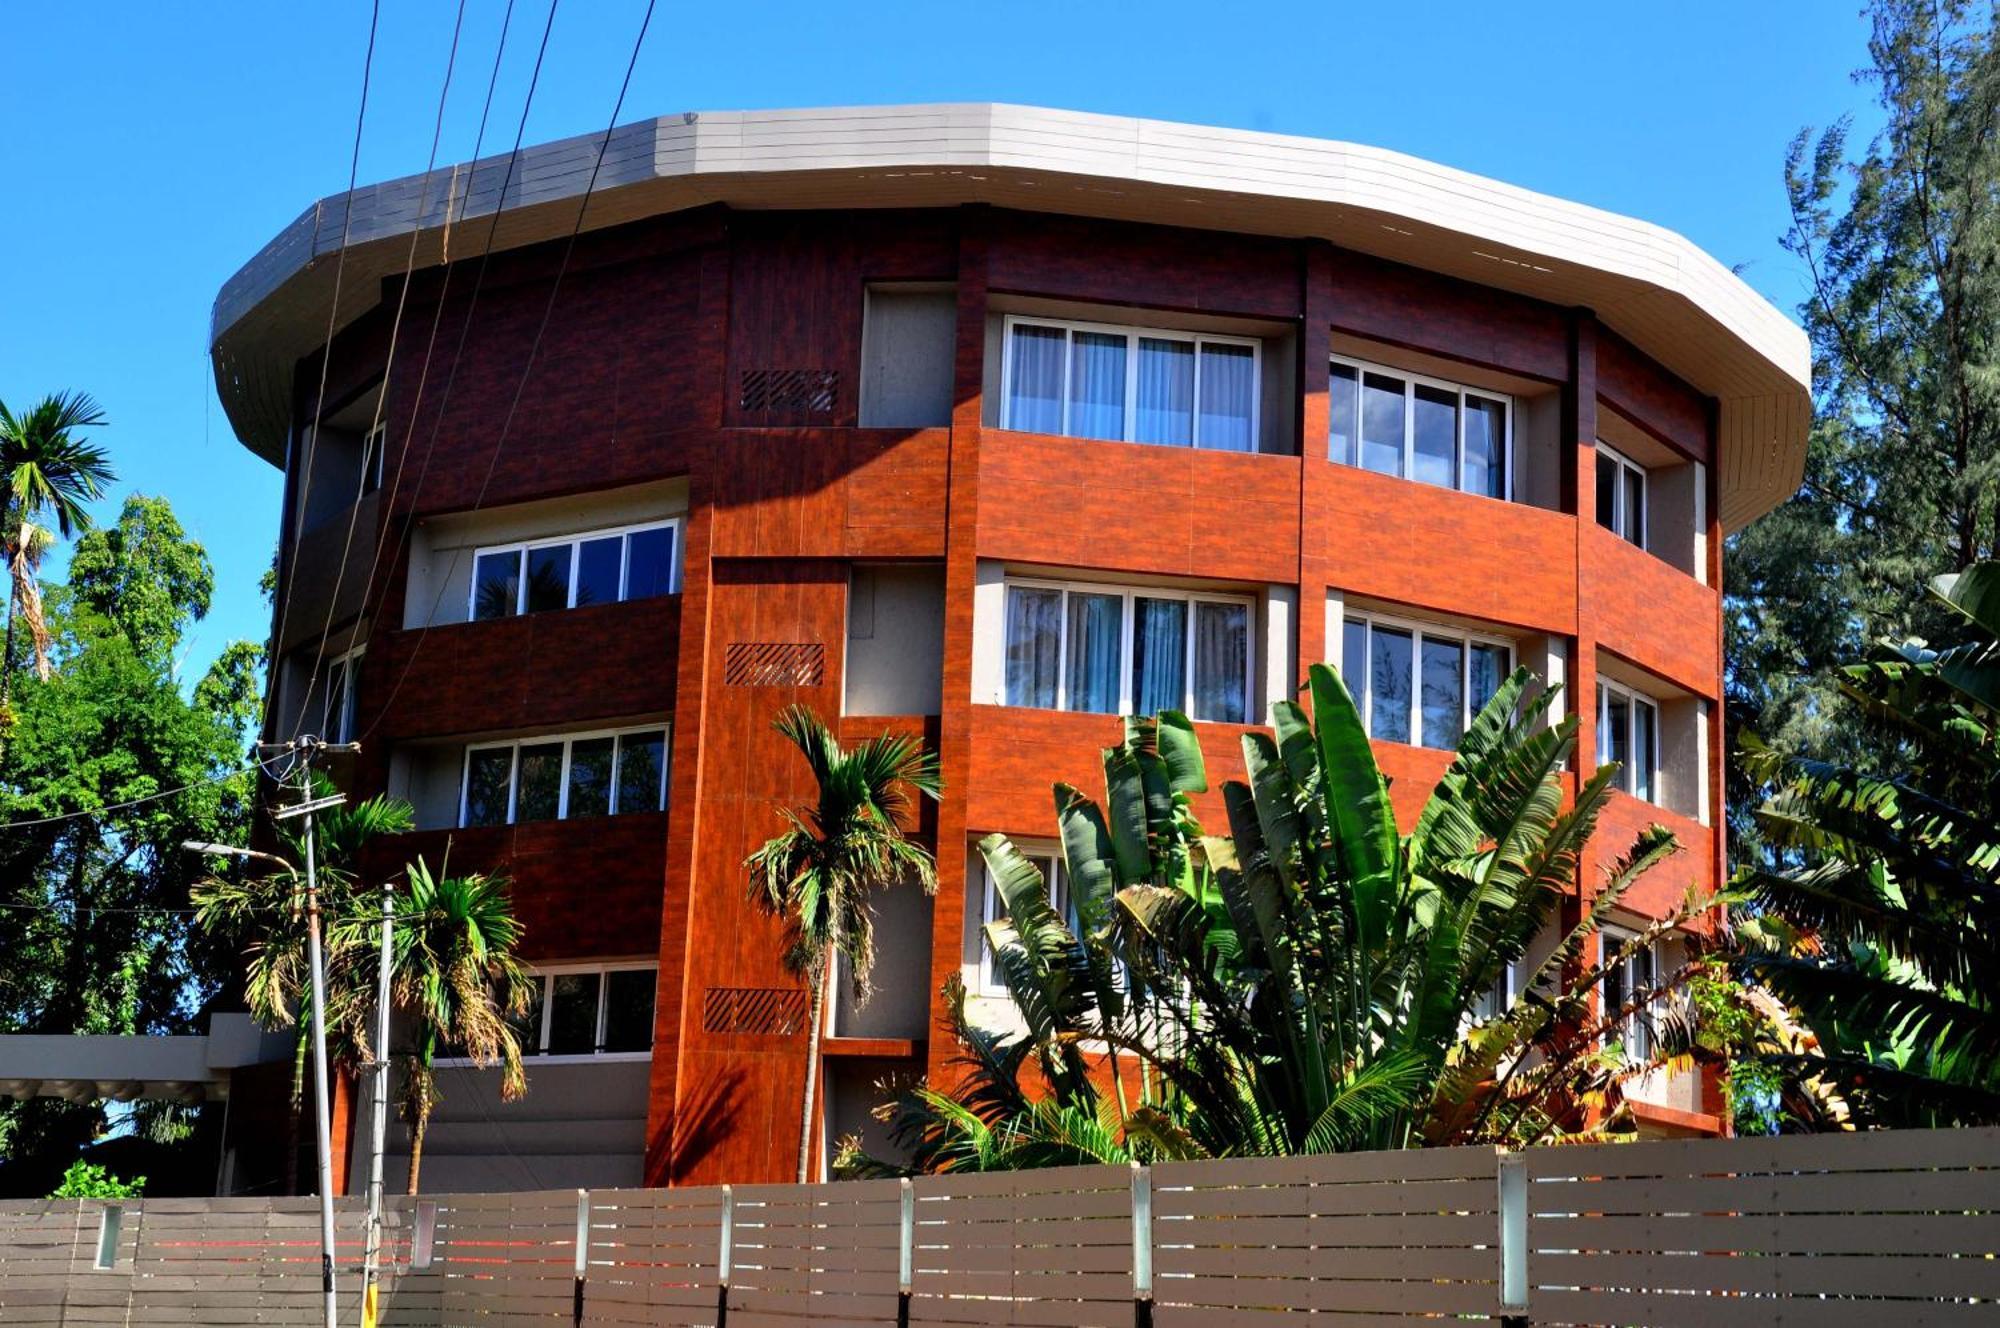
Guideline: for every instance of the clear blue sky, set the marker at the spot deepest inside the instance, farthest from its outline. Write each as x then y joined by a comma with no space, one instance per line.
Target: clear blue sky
149,149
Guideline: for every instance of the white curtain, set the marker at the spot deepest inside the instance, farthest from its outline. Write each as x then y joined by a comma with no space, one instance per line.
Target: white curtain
1034,386
1034,627
1485,447
1096,623
1166,392
1159,655
1228,397
1097,385
1221,662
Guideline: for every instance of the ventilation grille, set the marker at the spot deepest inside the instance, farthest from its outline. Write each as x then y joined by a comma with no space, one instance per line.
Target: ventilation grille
774,664
783,396
772,1010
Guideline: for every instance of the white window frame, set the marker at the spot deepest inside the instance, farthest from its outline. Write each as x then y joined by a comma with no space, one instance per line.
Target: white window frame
545,975
568,741
1632,1030
1609,693
1411,382
1620,518
337,715
522,548
1418,631
1048,857
1132,333
1126,640
1502,993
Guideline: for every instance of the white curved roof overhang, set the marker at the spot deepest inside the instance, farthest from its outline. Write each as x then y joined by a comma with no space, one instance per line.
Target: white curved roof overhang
1649,284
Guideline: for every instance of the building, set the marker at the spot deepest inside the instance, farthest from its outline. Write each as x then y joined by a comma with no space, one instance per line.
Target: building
949,419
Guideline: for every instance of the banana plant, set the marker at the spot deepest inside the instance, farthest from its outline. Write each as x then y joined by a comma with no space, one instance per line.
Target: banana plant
1307,982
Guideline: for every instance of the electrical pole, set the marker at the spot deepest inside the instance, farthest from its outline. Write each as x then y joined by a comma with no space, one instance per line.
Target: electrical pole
371,1267
307,747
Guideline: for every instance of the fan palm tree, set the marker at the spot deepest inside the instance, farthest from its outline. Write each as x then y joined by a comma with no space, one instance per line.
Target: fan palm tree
819,873
1894,879
266,913
47,475
1314,981
457,974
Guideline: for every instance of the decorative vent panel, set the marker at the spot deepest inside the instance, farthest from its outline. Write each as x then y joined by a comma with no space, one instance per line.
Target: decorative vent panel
774,664
772,1010
788,395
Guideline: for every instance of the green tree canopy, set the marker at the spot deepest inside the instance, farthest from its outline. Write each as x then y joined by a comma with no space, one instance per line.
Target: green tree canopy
94,936
1900,241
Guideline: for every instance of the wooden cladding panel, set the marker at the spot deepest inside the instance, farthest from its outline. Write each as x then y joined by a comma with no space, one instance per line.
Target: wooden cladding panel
1440,315
875,493
1138,507
1075,258
1651,613
1659,402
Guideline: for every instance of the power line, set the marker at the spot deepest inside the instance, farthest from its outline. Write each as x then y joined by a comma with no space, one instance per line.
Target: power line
262,767
332,321
534,349
437,314
388,366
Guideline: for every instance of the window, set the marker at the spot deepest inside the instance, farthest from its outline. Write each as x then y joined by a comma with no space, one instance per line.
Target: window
1088,380
557,778
589,1010
1112,650
1624,982
1401,424
1628,732
373,445
602,567
1621,496
1051,864
1419,684
337,715
1497,999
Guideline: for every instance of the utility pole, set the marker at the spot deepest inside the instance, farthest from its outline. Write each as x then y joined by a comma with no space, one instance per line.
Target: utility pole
372,1263
306,748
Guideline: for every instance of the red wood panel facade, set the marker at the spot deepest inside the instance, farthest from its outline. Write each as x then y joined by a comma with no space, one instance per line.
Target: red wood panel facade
640,376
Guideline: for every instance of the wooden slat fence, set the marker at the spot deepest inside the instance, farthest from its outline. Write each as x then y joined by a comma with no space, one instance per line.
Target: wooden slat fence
1399,1235
1899,1228
1867,1230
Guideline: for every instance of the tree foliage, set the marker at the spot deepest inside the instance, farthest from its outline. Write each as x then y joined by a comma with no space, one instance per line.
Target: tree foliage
819,875
1900,240
94,934
1315,980
1892,876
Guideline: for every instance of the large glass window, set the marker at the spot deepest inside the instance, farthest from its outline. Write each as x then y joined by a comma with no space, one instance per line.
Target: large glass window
1090,380
548,779
1115,651
1628,732
1395,423
337,715
1621,495
602,567
1419,684
1630,982
995,910
589,1010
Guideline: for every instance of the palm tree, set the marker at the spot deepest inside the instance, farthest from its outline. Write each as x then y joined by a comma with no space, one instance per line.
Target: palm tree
267,914
457,974
47,474
1892,882
818,875
1314,981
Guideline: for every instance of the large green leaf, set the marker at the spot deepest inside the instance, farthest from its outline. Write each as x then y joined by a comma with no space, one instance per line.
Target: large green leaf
1357,806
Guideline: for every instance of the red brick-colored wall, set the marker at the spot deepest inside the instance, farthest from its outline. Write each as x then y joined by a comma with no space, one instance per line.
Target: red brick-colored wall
637,378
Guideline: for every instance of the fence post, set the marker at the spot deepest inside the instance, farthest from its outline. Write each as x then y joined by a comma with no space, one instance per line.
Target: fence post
724,1256
1142,1247
582,1255
906,1251
1513,1182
